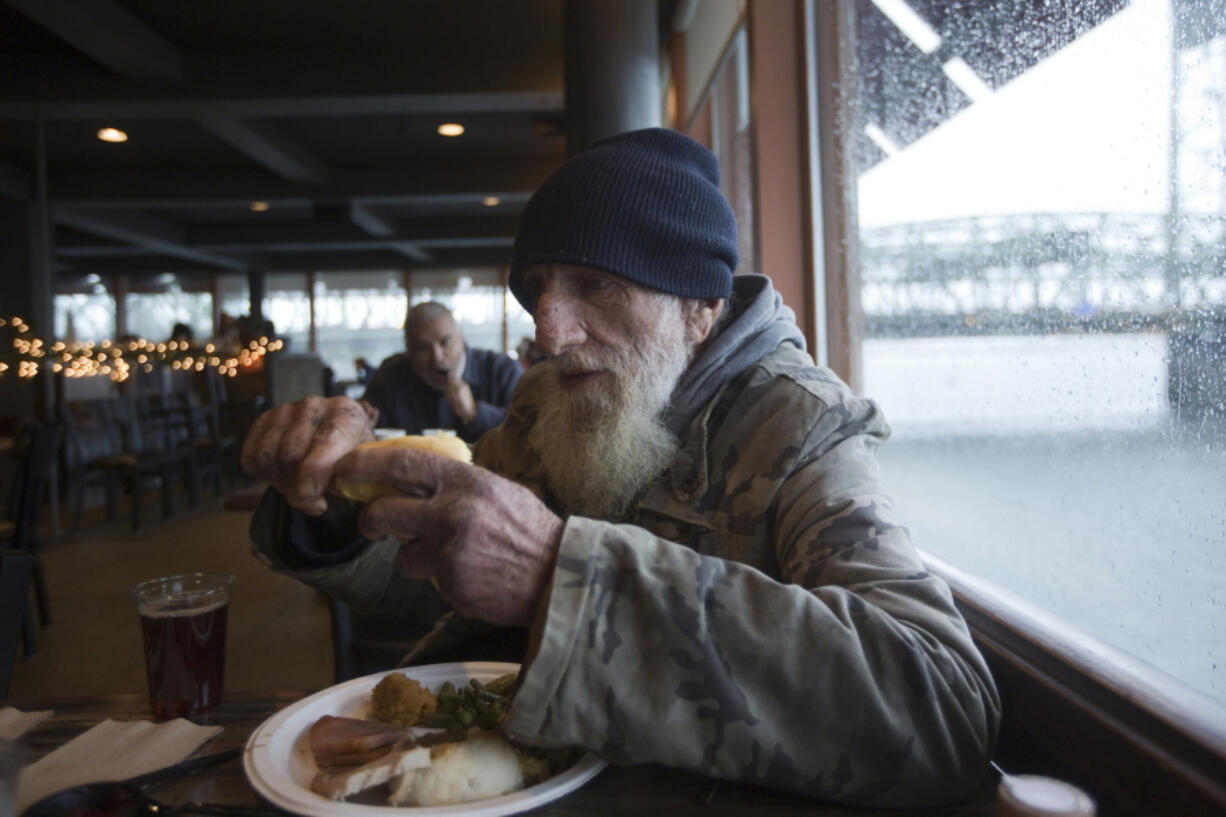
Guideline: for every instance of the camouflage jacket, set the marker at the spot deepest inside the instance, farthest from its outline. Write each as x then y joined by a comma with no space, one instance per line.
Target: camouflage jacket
760,616
763,616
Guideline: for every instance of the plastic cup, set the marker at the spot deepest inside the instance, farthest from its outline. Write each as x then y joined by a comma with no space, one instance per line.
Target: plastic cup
388,433
183,624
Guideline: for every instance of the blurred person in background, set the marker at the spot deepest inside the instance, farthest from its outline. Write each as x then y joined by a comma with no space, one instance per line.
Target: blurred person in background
440,382
182,333
529,353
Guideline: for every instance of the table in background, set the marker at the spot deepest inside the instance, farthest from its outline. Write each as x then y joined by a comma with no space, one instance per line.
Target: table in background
616,790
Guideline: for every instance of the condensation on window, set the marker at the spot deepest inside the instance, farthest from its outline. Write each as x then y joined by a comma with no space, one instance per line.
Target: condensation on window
1042,223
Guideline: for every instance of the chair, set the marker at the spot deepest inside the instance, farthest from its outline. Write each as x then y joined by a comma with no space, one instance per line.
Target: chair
105,442
16,570
213,448
39,444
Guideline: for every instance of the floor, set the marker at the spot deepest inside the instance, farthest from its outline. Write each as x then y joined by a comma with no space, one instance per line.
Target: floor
279,631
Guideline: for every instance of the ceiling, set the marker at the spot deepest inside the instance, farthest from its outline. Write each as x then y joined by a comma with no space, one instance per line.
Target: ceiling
326,110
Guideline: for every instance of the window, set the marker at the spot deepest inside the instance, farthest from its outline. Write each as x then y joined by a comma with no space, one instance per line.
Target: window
288,306
83,316
475,297
732,143
233,290
162,303
359,314
1042,221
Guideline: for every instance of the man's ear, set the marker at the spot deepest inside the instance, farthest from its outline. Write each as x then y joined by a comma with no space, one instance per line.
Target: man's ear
700,316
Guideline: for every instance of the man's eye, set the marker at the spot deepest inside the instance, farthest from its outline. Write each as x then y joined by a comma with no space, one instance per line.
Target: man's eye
596,285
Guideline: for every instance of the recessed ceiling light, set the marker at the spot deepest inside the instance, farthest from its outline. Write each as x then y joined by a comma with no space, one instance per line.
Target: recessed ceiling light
450,129
259,206
491,201
112,135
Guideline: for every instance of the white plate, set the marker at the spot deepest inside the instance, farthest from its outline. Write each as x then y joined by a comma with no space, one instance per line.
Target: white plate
279,765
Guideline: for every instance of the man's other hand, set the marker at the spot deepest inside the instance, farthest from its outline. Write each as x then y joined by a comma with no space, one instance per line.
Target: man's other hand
460,396
294,447
489,543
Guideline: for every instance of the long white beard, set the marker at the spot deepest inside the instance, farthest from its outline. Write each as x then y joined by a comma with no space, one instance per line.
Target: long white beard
602,446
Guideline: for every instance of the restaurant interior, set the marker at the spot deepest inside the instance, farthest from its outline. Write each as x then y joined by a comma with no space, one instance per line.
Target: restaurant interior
210,210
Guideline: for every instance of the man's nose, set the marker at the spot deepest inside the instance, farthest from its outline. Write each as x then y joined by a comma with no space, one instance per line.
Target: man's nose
558,325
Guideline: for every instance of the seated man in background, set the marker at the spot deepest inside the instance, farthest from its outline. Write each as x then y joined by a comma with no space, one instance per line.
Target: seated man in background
682,513
440,382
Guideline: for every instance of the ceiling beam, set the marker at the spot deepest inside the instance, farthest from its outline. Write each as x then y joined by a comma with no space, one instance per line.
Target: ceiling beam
143,231
412,252
107,33
295,262
268,146
295,106
446,229
417,250
373,220
146,190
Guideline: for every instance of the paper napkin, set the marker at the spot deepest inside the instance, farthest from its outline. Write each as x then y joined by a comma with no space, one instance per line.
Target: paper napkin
14,723
112,750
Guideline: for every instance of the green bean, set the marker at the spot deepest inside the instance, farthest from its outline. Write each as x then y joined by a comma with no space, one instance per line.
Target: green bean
503,684
437,720
473,704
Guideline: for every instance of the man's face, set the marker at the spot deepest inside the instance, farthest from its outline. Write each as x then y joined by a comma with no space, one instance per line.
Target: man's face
586,319
436,350
615,353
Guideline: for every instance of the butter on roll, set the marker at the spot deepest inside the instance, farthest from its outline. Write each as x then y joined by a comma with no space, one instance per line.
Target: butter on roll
451,447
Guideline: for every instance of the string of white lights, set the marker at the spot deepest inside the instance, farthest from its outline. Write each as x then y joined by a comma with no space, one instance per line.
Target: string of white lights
117,360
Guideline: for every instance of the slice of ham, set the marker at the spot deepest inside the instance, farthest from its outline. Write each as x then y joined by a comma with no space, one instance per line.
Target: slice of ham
350,741
337,784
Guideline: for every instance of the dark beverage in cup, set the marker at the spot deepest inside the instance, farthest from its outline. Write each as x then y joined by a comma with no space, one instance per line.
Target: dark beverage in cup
183,624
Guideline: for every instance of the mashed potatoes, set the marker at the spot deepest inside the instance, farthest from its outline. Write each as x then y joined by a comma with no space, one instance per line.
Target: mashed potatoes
483,765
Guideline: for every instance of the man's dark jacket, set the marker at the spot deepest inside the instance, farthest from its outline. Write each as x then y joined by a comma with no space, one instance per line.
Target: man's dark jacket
406,401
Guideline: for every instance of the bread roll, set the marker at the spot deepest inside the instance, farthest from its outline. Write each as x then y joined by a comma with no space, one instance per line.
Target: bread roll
452,447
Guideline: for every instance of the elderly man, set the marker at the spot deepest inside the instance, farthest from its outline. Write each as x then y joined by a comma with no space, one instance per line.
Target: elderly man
682,510
440,382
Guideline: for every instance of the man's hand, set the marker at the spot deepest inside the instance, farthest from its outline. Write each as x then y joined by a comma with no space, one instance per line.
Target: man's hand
294,447
460,396
488,542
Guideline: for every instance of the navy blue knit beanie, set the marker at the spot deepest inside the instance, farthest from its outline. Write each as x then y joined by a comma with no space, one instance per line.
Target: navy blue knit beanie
644,205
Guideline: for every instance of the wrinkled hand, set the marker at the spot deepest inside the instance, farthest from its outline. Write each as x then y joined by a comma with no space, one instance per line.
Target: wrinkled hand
294,447
489,543
460,396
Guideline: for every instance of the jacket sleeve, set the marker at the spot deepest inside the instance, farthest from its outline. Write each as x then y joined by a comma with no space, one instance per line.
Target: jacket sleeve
851,677
378,396
327,554
504,373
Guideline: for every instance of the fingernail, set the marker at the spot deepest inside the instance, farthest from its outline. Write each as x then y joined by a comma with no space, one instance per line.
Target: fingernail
306,487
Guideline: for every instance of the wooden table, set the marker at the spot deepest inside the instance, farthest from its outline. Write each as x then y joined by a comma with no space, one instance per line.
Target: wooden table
616,790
